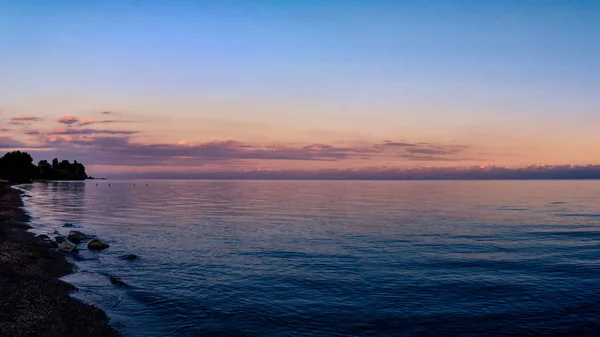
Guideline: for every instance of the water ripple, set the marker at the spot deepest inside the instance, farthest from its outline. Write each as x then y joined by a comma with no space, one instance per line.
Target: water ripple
335,258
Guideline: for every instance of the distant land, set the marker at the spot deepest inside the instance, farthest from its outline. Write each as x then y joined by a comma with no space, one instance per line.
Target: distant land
18,166
534,172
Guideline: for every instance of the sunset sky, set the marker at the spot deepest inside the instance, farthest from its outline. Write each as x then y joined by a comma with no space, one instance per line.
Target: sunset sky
133,86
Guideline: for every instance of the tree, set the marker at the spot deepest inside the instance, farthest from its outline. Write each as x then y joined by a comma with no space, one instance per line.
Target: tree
44,168
44,164
64,165
17,166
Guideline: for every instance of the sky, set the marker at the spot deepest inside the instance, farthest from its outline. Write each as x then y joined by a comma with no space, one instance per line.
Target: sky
132,87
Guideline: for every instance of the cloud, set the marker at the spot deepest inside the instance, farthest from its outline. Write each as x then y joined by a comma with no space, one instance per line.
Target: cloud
9,143
26,119
216,150
419,152
68,120
72,120
389,143
74,131
23,120
108,146
221,159
103,142
53,141
87,122
317,147
109,121
115,147
32,132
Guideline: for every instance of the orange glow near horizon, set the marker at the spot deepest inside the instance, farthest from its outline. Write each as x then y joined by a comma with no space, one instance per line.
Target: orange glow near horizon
285,147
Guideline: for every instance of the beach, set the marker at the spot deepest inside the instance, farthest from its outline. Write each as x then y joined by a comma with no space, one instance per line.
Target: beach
34,301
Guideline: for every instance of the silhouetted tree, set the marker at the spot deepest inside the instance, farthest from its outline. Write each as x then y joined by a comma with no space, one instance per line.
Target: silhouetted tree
44,164
64,165
44,168
18,167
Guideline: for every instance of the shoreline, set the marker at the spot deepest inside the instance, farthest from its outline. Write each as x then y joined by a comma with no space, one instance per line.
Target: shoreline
35,302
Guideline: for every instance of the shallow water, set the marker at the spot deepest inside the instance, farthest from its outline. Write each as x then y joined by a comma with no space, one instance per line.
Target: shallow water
271,258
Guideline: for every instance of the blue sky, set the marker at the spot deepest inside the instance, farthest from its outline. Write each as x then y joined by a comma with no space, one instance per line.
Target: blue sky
429,68
327,48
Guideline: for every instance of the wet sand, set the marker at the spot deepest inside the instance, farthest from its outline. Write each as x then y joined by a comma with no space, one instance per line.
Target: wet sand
33,301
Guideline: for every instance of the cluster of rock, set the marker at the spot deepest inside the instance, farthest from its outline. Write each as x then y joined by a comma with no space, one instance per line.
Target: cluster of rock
74,238
69,244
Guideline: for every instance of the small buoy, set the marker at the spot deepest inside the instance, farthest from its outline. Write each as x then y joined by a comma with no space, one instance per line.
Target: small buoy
146,184
133,184
108,184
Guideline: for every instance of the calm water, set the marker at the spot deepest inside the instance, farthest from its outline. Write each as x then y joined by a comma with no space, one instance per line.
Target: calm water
272,258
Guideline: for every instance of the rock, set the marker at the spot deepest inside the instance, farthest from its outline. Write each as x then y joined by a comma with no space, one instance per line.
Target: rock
43,237
76,237
129,257
115,280
59,239
68,225
67,246
97,245
50,244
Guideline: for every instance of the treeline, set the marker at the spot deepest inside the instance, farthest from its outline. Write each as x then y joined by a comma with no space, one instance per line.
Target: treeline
18,166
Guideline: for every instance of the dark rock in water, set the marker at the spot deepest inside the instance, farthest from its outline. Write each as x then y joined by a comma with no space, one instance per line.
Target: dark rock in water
74,240
59,239
43,237
68,225
115,280
97,245
76,237
129,257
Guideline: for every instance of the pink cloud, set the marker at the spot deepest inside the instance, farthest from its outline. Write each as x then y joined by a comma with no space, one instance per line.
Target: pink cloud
23,120
108,146
75,131
115,147
32,132
26,119
69,120
109,121
9,143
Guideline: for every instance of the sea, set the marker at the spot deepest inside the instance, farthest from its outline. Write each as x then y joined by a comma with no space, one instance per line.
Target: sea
333,258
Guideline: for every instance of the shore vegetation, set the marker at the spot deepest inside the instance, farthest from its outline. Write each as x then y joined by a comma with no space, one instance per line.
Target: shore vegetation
17,166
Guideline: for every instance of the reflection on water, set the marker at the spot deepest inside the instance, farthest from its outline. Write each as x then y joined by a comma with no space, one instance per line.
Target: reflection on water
346,258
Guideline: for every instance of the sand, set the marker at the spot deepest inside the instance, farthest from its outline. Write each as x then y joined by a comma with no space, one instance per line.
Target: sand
33,301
